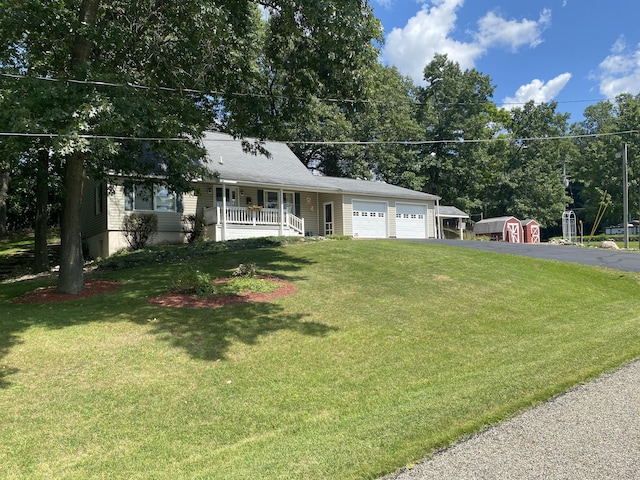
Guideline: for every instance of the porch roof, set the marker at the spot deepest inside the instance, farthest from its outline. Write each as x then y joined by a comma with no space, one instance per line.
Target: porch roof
283,169
451,212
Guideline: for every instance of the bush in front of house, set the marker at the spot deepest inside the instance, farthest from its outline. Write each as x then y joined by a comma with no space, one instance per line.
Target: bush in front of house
195,282
196,228
139,229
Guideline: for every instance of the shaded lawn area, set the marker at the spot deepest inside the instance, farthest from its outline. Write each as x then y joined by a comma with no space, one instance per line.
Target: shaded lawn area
388,351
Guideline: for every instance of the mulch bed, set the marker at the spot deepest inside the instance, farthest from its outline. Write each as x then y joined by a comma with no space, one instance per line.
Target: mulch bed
99,286
179,299
92,288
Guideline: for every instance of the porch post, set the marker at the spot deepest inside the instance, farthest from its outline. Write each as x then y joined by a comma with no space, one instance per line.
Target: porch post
281,207
224,212
438,220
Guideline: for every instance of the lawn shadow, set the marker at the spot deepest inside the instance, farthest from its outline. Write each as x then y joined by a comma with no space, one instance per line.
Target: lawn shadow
203,333
208,333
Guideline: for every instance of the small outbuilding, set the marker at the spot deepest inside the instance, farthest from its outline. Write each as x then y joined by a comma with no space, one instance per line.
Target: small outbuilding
451,222
531,231
506,229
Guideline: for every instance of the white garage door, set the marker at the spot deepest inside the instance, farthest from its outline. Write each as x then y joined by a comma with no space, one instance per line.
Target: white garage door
411,221
369,219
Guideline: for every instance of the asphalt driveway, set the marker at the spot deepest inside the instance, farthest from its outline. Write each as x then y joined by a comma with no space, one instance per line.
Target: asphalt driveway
628,261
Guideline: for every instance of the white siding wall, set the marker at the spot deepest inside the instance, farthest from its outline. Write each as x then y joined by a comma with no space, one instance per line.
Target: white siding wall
338,213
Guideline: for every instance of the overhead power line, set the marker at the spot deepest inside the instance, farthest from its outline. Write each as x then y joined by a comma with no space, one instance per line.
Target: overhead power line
93,137
326,142
220,93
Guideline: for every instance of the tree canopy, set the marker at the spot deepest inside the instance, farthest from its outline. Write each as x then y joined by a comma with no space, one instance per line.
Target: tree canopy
95,75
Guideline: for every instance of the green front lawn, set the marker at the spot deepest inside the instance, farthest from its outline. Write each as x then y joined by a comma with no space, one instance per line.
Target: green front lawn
387,351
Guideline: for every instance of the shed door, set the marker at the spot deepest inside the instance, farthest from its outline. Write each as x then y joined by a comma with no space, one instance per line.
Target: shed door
411,221
369,219
513,232
535,234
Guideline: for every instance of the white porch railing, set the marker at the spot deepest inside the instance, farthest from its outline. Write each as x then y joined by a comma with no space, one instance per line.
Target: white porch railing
254,217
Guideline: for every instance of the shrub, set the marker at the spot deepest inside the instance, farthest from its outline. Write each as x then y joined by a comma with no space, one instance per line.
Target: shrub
245,270
139,228
199,283
196,228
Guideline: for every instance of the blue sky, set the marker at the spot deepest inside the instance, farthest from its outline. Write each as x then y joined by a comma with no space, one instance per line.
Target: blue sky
573,51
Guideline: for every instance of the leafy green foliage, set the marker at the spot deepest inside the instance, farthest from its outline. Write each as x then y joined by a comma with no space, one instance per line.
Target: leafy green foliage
456,105
166,72
245,270
195,282
528,179
203,284
196,228
598,166
139,229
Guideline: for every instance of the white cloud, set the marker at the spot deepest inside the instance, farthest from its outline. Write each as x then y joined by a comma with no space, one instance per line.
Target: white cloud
538,91
620,71
495,31
430,31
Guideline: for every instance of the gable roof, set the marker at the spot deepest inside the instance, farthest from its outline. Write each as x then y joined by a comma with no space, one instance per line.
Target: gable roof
227,158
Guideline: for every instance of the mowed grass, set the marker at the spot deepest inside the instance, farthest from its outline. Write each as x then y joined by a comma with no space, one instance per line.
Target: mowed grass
387,352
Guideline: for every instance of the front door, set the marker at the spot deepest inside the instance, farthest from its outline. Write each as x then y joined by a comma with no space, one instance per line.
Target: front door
288,201
328,218
231,196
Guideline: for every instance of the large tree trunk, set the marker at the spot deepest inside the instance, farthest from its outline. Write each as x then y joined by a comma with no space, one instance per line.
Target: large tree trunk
4,189
41,260
70,279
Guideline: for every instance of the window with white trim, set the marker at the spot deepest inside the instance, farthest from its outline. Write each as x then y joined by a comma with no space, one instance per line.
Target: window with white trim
159,199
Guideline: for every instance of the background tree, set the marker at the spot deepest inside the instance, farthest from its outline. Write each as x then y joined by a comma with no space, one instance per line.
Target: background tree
385,114
454,106
389,115
530,183
599,166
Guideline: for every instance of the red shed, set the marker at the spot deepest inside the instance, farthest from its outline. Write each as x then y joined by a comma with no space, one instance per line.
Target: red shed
531,230
507,229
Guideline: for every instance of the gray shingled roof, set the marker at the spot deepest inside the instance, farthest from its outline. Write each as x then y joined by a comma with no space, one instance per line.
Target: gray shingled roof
491,225
228,159
451,212
231,162
367,187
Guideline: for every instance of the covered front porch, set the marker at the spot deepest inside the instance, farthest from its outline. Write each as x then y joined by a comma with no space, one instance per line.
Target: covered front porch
231,222
235,210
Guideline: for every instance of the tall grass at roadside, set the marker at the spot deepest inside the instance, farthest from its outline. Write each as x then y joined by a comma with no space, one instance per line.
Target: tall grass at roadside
387,351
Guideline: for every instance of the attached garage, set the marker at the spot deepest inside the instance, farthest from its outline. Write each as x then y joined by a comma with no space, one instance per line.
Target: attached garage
369,219
411,221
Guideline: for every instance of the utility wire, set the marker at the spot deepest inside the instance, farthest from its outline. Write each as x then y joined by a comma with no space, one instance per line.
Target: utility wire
93,137
328,142
220,93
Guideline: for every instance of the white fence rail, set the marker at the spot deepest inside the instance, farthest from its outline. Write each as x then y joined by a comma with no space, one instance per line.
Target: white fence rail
254,217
